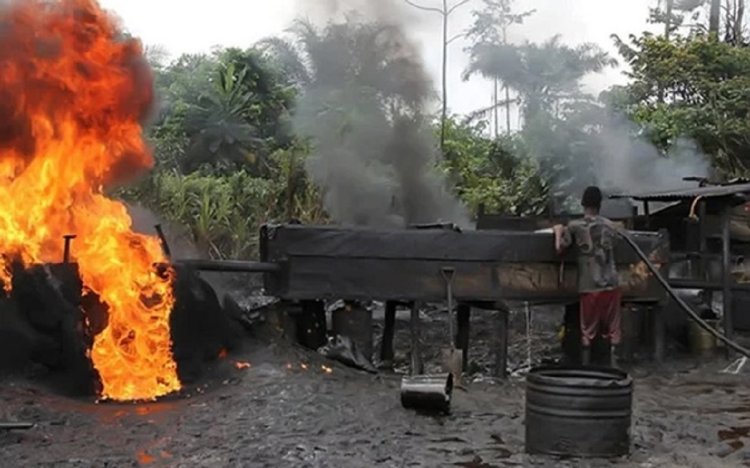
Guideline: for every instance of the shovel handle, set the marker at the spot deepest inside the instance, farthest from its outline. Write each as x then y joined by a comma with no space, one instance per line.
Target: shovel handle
448,273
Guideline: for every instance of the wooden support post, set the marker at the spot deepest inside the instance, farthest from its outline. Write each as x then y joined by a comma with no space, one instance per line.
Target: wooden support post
703,244
416,366
629,335
389,328
500,369
311,325
647,213
354,321
659,333
726,273
572,340
463,332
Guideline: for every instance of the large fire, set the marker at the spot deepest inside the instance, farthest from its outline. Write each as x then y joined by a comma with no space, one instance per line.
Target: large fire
73,93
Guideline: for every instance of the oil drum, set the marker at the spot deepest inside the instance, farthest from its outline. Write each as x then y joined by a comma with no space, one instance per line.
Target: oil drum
579,412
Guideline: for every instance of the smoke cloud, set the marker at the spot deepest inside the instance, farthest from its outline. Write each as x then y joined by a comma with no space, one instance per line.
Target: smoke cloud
374,153
613,153
629,163
178,238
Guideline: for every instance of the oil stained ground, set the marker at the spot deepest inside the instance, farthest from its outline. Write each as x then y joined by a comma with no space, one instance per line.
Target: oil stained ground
287,410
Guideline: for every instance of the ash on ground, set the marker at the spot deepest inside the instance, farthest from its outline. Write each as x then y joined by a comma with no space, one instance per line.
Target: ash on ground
292,407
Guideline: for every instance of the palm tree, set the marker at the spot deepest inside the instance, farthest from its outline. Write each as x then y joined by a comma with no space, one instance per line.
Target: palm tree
362,92
217,123
342,55
490,26
544,75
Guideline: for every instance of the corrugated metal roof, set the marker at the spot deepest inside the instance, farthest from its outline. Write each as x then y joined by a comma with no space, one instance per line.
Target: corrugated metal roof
712,191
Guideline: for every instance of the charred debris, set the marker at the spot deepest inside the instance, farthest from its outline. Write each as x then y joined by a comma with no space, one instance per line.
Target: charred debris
48,323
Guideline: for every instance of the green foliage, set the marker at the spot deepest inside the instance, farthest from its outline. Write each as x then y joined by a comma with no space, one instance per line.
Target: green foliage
228,110
544,75
692,87
223,212
228,160
492,21
497,174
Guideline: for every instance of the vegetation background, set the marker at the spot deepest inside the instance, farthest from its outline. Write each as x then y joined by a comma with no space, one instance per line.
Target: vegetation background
228,157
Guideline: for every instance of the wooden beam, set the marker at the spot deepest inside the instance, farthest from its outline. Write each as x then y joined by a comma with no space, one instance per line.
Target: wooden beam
726,273
389,329
500,368
463,332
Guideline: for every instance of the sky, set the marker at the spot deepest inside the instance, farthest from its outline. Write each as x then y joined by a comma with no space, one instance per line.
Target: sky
190,26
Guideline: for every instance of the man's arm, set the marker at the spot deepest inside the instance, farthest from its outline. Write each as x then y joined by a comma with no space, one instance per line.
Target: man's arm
563,238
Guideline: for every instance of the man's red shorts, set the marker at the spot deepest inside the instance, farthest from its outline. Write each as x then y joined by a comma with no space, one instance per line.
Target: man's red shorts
600,314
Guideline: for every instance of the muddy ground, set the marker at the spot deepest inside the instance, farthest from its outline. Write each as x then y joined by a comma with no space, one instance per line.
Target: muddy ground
294,408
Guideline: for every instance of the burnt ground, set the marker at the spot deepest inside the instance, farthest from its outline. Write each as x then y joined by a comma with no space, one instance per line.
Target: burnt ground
287,410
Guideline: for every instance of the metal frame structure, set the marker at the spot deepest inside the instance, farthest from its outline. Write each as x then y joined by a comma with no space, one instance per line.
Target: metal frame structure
704,201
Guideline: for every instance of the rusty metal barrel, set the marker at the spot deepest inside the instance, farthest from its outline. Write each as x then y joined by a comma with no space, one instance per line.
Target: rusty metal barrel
578,412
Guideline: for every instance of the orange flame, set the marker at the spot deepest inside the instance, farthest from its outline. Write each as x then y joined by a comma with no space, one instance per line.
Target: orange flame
242,365
73,94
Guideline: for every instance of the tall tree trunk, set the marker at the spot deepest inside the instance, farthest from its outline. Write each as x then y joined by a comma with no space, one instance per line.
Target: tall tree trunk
445,77
507,109
668,20
496,110
505,85
714,18
667,33
738,22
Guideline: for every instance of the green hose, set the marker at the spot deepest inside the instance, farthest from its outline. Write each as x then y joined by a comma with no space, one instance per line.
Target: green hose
685,307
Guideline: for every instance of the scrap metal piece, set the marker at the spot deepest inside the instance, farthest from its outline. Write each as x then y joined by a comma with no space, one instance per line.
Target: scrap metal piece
427,393
230,266
163,239
9,426
344,350
68,238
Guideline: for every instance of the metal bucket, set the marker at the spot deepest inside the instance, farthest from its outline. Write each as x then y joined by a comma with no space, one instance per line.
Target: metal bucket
701,341
427,393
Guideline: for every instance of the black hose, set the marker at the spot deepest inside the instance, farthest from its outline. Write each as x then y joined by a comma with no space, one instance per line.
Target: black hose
685,307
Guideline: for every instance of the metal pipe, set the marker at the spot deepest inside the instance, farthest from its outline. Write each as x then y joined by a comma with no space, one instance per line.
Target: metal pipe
448,273
66,250
8,426
230,266
163,239
427,393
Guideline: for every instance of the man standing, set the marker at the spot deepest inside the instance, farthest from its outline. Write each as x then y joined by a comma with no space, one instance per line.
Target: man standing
598,282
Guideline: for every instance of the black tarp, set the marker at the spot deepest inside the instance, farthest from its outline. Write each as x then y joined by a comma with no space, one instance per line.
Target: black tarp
355,263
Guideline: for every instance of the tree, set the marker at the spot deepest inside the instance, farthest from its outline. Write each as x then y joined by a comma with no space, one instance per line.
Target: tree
220,133
351,54
491,27
714,18
544,75
735,22
706,95
228,110
675,12
495,173
445,12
